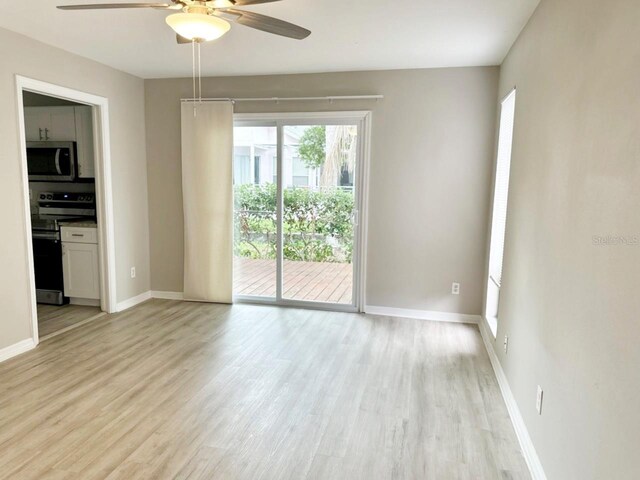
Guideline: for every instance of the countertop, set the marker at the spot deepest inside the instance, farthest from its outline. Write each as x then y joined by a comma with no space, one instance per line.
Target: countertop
79,223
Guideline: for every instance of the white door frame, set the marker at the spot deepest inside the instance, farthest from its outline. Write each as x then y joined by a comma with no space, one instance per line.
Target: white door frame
104,196
363,120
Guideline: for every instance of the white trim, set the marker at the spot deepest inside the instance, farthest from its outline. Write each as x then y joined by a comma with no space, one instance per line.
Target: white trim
279,210
345,115
167,295
133,301
104,195
422,314
143,297
526,445
286,99
104,198
26,205
363,214
17,348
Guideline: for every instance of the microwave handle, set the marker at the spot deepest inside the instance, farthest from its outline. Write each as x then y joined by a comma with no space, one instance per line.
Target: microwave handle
58,150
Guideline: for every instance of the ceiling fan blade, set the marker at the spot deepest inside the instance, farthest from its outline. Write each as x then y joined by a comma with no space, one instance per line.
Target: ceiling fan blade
244,3
105,6
268,24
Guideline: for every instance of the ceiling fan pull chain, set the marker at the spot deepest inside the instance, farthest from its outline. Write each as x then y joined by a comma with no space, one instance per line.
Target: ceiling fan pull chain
193,62
199,75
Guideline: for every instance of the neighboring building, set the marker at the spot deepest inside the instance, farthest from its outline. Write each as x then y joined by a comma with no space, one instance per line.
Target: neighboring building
255,158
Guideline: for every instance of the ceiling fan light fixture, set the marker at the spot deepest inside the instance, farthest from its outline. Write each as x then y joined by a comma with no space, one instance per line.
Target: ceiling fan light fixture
198,26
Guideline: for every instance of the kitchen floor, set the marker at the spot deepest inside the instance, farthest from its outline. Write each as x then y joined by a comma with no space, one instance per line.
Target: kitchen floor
53,319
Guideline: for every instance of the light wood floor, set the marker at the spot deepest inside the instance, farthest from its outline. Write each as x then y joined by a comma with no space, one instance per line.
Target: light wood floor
53,318
184,390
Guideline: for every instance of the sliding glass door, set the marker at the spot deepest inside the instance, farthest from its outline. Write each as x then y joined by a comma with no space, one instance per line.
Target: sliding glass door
255,211
298,193
319,169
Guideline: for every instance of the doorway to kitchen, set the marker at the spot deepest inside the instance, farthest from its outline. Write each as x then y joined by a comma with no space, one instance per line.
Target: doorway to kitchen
67,201
300,209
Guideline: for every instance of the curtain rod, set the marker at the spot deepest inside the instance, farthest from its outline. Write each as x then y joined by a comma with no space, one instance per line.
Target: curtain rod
286,99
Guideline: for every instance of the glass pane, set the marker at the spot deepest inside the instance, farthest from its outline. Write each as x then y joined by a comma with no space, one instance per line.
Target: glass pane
318,189
255,227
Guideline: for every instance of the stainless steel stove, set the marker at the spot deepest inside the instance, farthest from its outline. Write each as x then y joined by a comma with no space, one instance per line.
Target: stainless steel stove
53,209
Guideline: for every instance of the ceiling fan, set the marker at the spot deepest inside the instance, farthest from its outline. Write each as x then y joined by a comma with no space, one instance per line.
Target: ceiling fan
205,20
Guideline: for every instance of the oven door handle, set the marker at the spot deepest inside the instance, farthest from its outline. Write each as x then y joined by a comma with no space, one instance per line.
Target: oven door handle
58,161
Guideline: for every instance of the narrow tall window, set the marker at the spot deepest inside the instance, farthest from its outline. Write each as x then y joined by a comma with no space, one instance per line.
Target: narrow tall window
499,215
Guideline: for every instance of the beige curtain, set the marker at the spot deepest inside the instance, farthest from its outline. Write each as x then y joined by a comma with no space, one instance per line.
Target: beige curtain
207,190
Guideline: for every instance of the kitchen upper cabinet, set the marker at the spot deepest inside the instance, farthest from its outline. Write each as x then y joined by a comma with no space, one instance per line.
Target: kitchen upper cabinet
84,138
36,120
64,124
50,124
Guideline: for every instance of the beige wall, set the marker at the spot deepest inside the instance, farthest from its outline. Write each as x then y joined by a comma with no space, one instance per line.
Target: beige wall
432,147
571,308
21,55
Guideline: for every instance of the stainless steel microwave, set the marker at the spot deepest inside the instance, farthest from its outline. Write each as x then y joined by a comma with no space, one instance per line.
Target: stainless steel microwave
51,161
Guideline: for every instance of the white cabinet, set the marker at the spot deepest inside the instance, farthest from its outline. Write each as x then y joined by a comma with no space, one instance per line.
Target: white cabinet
50,124
84,139
64,124
79,234
80,263
36,120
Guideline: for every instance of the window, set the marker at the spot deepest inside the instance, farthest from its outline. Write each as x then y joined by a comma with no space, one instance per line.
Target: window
241,169
300,173
274,167
256,170
499,215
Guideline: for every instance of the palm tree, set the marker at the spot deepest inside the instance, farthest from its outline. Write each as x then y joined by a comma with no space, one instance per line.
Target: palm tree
341,154
333,149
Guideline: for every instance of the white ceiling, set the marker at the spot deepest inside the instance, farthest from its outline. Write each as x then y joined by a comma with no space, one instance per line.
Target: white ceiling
347,35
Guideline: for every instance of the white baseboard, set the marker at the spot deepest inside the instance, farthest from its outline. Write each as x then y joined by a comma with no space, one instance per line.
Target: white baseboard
132,302
422,314
143,297
16,349
528,450
167,295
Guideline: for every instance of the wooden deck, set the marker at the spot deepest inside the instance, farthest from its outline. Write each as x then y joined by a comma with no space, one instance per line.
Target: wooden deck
309,281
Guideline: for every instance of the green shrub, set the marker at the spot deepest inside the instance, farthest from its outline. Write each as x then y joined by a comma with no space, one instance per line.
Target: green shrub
317,224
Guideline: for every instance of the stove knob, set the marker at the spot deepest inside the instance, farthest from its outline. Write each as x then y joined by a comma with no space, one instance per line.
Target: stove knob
49,197
42,196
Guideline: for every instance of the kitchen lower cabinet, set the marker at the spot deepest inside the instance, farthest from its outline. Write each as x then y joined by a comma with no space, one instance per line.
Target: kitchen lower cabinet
81,267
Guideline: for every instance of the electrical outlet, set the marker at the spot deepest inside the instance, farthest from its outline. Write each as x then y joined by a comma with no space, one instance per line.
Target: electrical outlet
133,272
455,288
506,343
539,400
